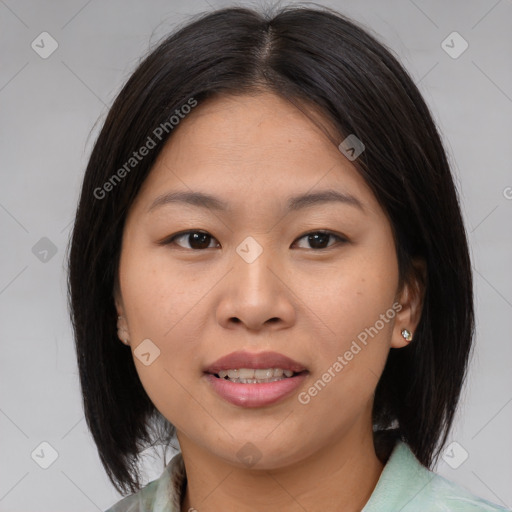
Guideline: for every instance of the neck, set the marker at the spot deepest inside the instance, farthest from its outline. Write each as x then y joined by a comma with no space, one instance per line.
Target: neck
343,474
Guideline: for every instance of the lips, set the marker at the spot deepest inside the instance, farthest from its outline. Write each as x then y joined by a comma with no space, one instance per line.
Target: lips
255,394
260,360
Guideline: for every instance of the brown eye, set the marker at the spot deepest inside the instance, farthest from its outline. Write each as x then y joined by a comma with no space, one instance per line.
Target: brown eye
320,239
197,240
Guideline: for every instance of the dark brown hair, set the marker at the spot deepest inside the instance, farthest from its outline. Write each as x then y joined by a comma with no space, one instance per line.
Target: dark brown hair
310,56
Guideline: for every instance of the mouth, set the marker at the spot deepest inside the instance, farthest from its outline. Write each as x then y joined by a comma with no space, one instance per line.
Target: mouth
255,379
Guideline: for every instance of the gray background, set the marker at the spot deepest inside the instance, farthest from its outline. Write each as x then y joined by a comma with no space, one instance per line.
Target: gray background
49,112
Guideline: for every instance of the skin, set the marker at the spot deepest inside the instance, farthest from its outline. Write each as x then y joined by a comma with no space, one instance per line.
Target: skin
197,305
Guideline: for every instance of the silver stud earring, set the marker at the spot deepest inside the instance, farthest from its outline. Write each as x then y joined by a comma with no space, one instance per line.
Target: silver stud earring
406,334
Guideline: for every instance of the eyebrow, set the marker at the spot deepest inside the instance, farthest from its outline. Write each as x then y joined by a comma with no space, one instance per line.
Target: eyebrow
295,203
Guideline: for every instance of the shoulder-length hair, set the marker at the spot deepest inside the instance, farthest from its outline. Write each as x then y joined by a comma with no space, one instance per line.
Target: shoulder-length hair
311,57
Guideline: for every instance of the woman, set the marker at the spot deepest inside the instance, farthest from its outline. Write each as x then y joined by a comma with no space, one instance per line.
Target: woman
269,225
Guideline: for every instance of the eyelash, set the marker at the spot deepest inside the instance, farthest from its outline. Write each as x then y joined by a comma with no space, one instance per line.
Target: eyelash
171,240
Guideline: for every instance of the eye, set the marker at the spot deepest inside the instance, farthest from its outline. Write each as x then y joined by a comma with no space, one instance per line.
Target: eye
318,239
197,240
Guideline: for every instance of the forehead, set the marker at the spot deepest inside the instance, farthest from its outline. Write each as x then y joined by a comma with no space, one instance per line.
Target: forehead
248,127
259,146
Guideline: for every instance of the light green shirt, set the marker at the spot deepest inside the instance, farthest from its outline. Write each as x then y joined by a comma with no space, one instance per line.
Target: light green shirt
405,485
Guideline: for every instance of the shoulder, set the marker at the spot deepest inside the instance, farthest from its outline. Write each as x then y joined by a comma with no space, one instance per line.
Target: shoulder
447,495
406,485
141,501
160,495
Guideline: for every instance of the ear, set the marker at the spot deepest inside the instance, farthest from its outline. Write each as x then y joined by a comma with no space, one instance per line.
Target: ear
410,297
123,333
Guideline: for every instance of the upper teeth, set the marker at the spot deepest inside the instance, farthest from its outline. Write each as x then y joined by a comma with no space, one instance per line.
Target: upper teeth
250,373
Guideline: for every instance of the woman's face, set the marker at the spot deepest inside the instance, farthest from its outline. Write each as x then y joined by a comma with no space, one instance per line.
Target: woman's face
252,280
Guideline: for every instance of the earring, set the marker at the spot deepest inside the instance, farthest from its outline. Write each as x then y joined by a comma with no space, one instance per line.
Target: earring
407,335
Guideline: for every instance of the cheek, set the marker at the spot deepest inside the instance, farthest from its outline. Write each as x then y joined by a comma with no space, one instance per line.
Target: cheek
356,305
161,303
157,294
349,362
357,293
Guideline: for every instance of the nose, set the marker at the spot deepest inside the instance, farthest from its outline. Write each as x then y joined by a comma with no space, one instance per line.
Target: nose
257,295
